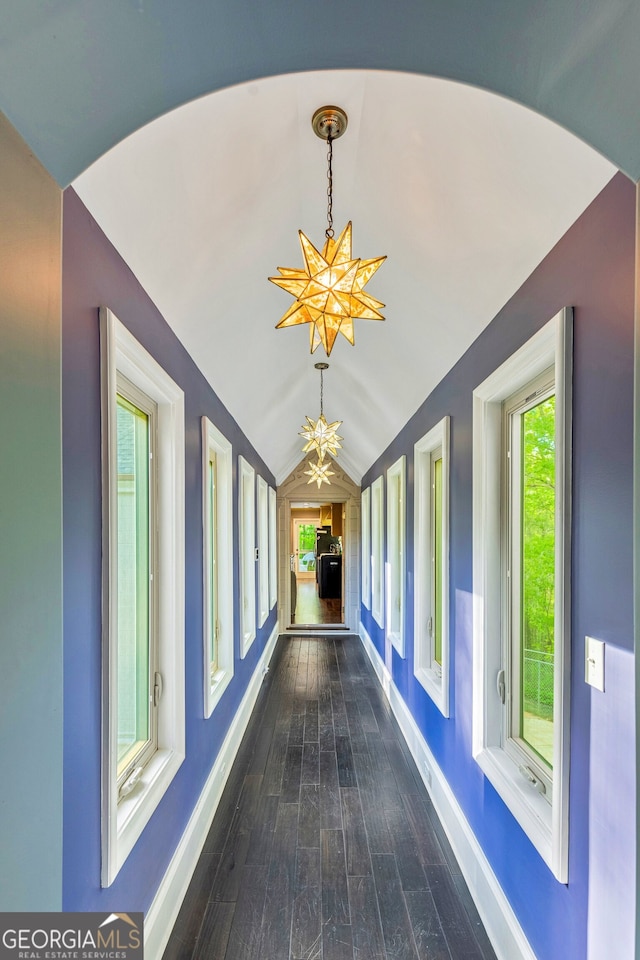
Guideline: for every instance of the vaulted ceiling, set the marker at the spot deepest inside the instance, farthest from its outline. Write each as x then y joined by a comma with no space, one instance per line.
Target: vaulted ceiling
465,190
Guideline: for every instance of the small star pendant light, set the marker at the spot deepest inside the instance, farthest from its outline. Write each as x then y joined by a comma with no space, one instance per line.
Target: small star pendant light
320,435
319,472
329,289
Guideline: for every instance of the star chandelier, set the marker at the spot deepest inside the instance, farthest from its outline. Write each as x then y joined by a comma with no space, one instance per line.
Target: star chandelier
321,437
329,290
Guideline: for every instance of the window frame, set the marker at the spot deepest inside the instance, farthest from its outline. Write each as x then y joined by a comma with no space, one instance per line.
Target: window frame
396,564
263,550
215,444
123,818
247,542
433,676
365,546
273,549
545,820
377,551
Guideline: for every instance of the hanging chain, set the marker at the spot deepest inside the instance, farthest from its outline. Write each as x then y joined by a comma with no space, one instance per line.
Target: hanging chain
329,231
322,385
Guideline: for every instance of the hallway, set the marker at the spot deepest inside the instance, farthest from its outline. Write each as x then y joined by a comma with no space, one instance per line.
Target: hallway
325,844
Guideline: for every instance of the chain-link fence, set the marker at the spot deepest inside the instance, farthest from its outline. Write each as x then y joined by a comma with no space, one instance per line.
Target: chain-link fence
538,683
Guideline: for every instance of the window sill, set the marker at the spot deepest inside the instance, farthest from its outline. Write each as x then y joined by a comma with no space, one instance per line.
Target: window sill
134,811
219,684
530,808
434,687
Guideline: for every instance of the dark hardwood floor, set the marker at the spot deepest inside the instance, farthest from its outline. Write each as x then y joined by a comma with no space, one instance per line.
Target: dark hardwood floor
325,845
311,609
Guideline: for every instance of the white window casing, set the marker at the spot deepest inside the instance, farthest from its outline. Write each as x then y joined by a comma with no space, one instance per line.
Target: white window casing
263,550
217,522
396,553
365,544
377,550
123,817
273,549
247,537
432,674
543,815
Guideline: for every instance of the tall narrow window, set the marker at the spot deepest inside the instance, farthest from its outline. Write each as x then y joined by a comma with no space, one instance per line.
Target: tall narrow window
431,561
529,536
263,550
134,559
396,553
217,529
247,518
377,550
365,543
273,549
521,567
143,588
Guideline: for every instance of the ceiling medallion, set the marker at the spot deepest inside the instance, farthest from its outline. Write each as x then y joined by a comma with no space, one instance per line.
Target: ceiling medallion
329,289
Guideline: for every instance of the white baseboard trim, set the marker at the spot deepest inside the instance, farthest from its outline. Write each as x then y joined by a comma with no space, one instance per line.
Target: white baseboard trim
161,916
504,931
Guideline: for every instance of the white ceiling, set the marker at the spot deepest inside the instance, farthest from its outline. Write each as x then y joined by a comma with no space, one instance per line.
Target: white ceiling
464,191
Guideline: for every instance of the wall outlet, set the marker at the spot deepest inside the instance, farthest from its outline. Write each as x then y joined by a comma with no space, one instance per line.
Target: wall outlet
594,662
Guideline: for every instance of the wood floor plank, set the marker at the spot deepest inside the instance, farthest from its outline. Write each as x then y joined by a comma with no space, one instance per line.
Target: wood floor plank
311,721
344,757
261,838
306,926
425,838
373,803
336,942
407,777
356,733
453,917
487,951
330,807
309,816
272,782
278,904
427,929
357,856
245,932
368,942
340,724
190,916
310,772
335,893
214,934
290,792
396,926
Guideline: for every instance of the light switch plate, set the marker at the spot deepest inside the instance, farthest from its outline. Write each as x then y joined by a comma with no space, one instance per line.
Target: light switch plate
594,662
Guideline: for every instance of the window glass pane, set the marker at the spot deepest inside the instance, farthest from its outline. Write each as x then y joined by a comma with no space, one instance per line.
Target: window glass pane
437,560
306,547
537,575
133,564
213,570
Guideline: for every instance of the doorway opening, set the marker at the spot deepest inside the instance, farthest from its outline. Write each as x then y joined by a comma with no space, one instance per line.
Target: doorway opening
317,573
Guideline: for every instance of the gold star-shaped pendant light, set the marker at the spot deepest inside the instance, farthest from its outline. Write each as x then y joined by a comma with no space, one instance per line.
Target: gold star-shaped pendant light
319,472
329,290
321,436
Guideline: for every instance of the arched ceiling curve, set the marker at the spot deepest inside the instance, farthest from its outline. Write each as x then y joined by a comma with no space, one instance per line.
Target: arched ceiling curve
77,76
464,191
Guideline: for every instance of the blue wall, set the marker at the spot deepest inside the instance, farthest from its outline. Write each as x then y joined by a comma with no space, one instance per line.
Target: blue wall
591,269
94,275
